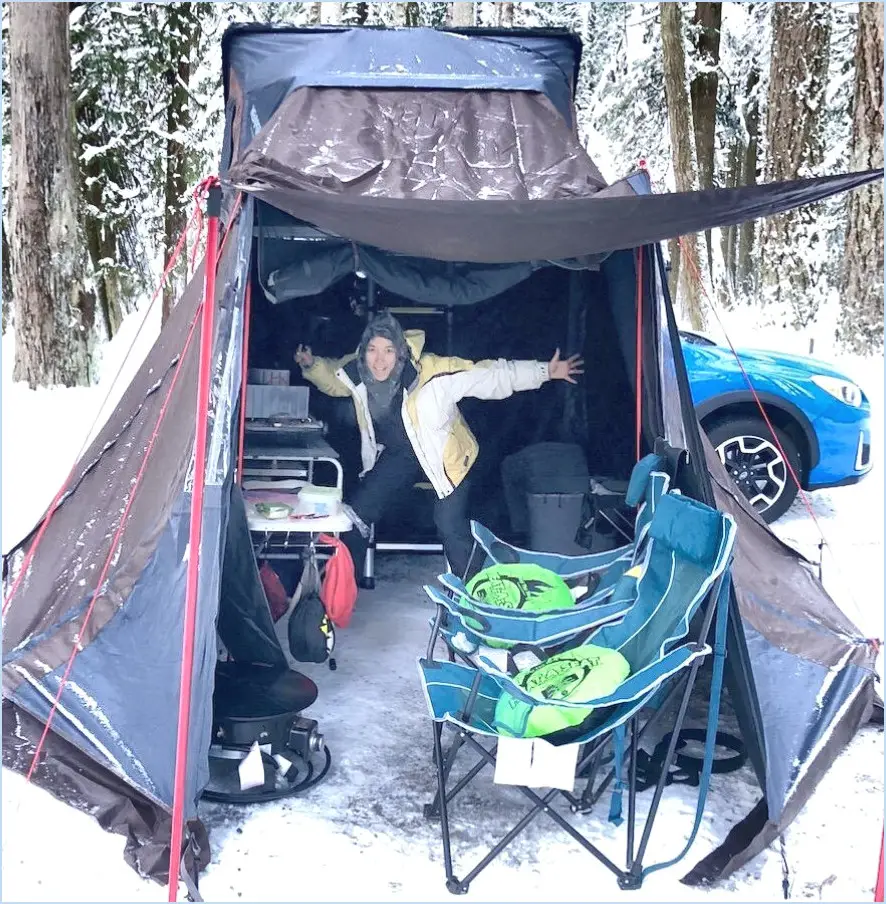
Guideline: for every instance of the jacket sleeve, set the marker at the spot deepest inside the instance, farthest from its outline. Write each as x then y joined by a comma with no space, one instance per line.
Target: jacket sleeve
322,374
496,379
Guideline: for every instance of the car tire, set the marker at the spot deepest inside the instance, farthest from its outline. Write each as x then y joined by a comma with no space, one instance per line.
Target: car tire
753,460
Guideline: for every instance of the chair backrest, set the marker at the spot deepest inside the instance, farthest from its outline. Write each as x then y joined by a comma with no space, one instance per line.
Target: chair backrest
497,552
481,621
657,485
691,545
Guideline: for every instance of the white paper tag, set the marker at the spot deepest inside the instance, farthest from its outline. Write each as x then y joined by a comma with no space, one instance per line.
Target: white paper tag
252,769
283,764
526,659
498,657
534,763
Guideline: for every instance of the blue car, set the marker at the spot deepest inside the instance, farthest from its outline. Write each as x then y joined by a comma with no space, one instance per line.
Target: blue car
821,418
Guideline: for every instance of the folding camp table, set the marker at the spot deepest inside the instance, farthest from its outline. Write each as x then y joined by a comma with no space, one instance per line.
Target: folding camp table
284,468
286,538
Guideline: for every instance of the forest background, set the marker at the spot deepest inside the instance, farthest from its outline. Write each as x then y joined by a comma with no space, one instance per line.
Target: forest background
112,113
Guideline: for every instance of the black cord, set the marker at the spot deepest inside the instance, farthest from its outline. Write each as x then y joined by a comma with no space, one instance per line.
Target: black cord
785,872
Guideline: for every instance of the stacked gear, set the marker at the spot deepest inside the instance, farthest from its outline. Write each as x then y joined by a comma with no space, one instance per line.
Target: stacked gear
522,586
584,673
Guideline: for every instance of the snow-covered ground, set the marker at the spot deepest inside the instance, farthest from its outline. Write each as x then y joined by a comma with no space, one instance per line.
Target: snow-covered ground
361,835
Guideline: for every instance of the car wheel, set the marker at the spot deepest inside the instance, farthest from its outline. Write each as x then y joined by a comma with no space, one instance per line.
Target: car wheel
752,459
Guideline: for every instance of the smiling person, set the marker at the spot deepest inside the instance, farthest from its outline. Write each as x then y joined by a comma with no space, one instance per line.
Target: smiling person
406,402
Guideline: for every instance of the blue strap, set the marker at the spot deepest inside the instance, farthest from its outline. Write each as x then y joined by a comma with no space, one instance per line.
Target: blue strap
722,605
618,750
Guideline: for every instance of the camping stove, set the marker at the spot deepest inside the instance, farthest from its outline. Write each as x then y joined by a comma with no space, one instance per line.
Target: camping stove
257,718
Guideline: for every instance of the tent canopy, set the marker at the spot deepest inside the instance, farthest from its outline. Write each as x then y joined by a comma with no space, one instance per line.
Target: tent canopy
800,673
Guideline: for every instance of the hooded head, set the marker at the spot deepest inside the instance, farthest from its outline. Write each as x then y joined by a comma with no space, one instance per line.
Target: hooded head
381,357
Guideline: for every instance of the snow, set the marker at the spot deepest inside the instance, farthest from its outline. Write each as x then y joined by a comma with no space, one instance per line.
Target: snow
361,836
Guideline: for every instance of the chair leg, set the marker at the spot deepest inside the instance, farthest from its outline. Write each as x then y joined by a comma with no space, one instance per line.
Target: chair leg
435,631
632,792
441,796
591,796
541,805
586,802
432,810
634,877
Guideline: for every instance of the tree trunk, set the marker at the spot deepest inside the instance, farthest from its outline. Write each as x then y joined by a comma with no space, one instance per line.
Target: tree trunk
689,271
7,282
797,76
99,238
101,247
861,326
703,93
180,26
54,319
674,273
315,11
744,271
504,15
461,14
408,15
729,235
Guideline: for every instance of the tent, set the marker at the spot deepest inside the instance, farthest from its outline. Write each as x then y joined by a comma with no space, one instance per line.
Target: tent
434,167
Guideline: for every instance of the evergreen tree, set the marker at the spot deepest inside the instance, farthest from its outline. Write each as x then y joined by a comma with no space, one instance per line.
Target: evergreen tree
861,326
54,316
686,263
793,245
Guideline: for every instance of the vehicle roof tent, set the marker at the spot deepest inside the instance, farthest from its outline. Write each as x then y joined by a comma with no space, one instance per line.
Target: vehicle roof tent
314,119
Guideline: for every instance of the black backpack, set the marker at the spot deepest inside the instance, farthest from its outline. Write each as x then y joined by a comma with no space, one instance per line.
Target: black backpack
311,634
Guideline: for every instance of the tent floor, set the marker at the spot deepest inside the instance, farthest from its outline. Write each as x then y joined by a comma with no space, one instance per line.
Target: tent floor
363,828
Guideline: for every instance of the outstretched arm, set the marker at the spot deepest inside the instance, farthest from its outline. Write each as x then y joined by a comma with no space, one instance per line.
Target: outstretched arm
321,371
498,379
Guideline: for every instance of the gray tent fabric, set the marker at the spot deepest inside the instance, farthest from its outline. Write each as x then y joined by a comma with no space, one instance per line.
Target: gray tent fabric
123,717
485,231
262,67
438,146
800,674
315,266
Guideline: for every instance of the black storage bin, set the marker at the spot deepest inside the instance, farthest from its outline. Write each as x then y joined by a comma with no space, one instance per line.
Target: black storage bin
554,519
542,468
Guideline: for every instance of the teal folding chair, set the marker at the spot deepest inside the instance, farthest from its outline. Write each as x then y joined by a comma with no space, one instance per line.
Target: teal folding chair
684,573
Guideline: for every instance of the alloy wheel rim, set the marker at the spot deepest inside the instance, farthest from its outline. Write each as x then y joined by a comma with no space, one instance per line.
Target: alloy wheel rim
757,467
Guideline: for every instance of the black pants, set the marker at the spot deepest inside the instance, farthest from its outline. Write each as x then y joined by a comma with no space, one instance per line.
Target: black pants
395,473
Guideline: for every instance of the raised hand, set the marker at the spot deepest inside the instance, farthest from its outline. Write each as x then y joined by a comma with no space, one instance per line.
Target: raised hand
565,369
303,356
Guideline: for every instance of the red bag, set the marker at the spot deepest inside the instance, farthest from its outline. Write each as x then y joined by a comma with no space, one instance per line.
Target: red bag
339,589
274,591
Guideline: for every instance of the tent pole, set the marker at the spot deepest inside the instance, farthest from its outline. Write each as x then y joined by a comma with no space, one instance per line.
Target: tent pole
370,298
639,353
213,210
244,374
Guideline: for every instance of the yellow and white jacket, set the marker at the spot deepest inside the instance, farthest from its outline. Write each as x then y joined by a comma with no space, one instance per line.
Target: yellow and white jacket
432,387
